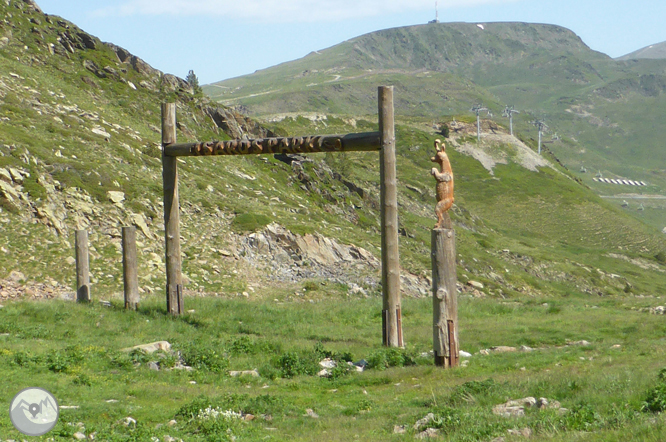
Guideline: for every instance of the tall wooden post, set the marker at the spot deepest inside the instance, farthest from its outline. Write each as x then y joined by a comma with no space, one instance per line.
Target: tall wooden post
130,273
445,295
82,267
174,280
391,314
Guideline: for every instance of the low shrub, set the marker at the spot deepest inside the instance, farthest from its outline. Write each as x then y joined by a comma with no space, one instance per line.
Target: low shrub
204,356
249,222
391,357
655,399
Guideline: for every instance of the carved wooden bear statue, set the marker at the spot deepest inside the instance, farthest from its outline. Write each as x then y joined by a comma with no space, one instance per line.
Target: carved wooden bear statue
444,178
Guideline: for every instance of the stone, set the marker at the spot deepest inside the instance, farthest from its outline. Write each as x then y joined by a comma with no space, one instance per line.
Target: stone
399,429
310,413
428,433
543,403
525,348
172,422
658,310
582,343
328,363
357,368
16,276
5,176
154,366
151,348
139,220
8,191
115,196
514,408
464,354
324,373
79,436
509,411
476,284
503,349
616,346
128,421
254,373
423,422
100,131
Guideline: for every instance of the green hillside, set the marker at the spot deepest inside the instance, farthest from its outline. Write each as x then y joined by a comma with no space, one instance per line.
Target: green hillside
280,254
80,120
606,113
656,51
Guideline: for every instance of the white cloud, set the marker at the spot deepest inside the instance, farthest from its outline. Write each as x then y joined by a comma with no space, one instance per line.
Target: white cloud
283,11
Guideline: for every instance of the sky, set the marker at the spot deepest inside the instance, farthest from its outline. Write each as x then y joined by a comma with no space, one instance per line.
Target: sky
221,39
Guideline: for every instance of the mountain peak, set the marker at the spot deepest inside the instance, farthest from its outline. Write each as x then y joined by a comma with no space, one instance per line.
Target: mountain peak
655,51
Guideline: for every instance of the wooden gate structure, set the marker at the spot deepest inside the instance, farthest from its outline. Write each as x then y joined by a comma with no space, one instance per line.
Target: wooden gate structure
382,141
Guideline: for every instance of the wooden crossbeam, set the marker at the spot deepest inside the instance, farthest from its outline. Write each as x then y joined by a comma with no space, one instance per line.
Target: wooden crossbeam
368,141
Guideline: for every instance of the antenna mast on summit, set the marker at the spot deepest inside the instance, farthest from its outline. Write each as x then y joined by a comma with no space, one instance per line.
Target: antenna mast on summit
436,12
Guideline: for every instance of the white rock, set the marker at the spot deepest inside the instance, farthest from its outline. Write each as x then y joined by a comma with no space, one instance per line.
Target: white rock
79,436
428,433
152,347
358,368
254,373
424,421
129,421
5,176
116,196
582,343
100,131
476,284
17,176
464,354
328,363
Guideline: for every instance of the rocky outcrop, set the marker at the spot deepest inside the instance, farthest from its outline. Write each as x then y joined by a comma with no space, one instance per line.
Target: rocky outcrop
289,257
237,125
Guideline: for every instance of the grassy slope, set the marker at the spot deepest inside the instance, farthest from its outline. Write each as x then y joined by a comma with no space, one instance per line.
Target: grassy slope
545,71
78,359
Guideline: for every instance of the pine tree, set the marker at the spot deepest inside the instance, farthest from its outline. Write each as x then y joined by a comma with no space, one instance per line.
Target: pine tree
193,81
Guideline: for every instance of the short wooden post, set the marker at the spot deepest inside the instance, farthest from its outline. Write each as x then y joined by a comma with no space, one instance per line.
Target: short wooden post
445,296
130,272
391,314
174,281
82,267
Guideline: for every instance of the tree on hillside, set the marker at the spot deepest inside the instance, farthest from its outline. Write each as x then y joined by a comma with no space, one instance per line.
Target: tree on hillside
193,81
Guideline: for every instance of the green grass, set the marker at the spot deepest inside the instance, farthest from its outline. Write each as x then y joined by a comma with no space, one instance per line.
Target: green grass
74,352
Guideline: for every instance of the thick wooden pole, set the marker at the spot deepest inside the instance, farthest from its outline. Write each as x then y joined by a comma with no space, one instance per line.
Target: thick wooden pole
82,267
391,314
130,272
445,297
174,281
